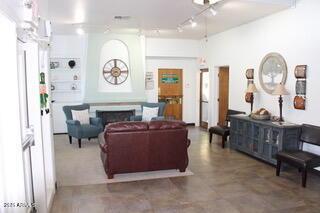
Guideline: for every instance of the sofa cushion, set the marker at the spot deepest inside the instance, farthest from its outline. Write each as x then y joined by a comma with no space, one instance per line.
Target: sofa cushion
127,126
159,125
149,112
81,115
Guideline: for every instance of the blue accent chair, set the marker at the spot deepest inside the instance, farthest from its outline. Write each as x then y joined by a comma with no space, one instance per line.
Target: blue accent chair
76,130
161,105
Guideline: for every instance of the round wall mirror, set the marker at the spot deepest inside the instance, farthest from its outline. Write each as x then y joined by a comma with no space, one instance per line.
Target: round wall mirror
273,70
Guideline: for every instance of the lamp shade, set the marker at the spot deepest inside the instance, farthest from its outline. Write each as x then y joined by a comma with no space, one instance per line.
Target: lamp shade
280,90
252,88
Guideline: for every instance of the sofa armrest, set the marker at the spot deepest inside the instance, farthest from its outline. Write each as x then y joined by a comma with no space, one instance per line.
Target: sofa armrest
102,143
136,118
96,121
73,122
188,142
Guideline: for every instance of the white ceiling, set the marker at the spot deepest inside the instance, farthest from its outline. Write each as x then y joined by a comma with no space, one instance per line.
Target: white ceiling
149,15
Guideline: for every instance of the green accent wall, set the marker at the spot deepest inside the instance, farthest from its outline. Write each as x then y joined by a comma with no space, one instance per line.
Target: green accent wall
95,44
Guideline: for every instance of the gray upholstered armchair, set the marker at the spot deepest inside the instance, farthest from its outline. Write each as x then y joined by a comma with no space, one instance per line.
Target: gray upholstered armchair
160,116
79,131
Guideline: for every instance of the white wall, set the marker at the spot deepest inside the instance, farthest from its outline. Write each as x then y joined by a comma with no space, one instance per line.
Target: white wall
295,34
176,54
71,46
68,46
184,48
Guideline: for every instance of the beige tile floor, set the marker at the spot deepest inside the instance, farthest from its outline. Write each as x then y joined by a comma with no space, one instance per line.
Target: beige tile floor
223,181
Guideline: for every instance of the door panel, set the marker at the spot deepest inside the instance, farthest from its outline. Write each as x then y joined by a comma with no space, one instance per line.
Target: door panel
223,94
170,83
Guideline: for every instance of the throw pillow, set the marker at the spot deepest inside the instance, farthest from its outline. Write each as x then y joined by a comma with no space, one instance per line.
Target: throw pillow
81,115
149,112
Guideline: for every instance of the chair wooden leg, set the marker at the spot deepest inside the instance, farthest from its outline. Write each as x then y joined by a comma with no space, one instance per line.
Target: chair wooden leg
79,142
89,139
182,169
304,177
278,167
110,176
210,137
70,139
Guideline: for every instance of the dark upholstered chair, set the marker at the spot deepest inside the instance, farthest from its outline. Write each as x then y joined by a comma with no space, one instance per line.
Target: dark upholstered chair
161,105
223,131
76,130
299,158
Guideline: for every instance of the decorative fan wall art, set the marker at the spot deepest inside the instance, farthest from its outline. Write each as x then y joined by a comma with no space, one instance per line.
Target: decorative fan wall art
115,71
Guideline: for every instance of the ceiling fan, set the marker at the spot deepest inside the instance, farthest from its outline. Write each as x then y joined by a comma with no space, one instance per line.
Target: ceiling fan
205,2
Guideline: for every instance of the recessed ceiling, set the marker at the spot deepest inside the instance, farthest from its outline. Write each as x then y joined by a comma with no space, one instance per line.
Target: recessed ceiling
157,18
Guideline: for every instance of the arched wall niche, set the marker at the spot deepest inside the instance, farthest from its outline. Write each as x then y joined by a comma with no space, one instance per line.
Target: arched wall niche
114,49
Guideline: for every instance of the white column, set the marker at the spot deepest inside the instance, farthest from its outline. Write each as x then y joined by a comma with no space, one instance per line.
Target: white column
37,151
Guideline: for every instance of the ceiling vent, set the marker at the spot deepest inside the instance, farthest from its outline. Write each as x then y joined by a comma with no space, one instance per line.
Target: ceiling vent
122,18
205,2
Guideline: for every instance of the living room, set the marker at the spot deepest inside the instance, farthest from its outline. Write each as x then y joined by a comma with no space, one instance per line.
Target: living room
146,109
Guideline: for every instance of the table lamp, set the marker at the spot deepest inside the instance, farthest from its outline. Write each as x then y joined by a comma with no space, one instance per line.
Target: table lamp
252,89
280,90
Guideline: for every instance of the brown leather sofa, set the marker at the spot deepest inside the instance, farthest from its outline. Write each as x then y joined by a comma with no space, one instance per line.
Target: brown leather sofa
144,146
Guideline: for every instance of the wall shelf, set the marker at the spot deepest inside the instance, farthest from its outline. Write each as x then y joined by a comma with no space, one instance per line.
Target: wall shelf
64,91
65,81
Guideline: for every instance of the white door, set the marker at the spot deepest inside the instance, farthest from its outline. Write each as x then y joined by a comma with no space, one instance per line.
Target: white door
26,128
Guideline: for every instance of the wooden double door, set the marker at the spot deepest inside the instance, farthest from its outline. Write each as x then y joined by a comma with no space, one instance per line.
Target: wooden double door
170,84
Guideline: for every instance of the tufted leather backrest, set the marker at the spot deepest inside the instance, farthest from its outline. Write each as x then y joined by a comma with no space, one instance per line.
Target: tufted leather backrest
310,134
160,125
127,126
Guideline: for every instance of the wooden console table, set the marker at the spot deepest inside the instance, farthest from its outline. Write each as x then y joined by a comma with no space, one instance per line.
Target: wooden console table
262,139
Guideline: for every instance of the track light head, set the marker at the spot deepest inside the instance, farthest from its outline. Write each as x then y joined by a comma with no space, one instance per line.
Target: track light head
193,23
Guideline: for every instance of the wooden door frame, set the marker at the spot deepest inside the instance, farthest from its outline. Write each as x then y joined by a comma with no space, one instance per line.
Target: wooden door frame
201,124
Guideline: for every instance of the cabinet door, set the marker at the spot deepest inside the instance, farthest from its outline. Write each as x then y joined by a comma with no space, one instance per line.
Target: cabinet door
276,136
233,125
264,144
242,127
256,131
273,152
241,143
233,140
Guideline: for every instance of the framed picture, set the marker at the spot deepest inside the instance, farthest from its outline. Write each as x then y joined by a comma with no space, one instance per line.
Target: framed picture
250,73
54,65
299,102
301,86
300,71
273,70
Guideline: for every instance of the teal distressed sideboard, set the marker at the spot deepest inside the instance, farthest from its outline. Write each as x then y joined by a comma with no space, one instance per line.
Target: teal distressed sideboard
262,139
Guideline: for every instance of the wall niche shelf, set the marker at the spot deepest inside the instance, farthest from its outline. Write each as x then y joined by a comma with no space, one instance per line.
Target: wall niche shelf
65,81
64,91
65,76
